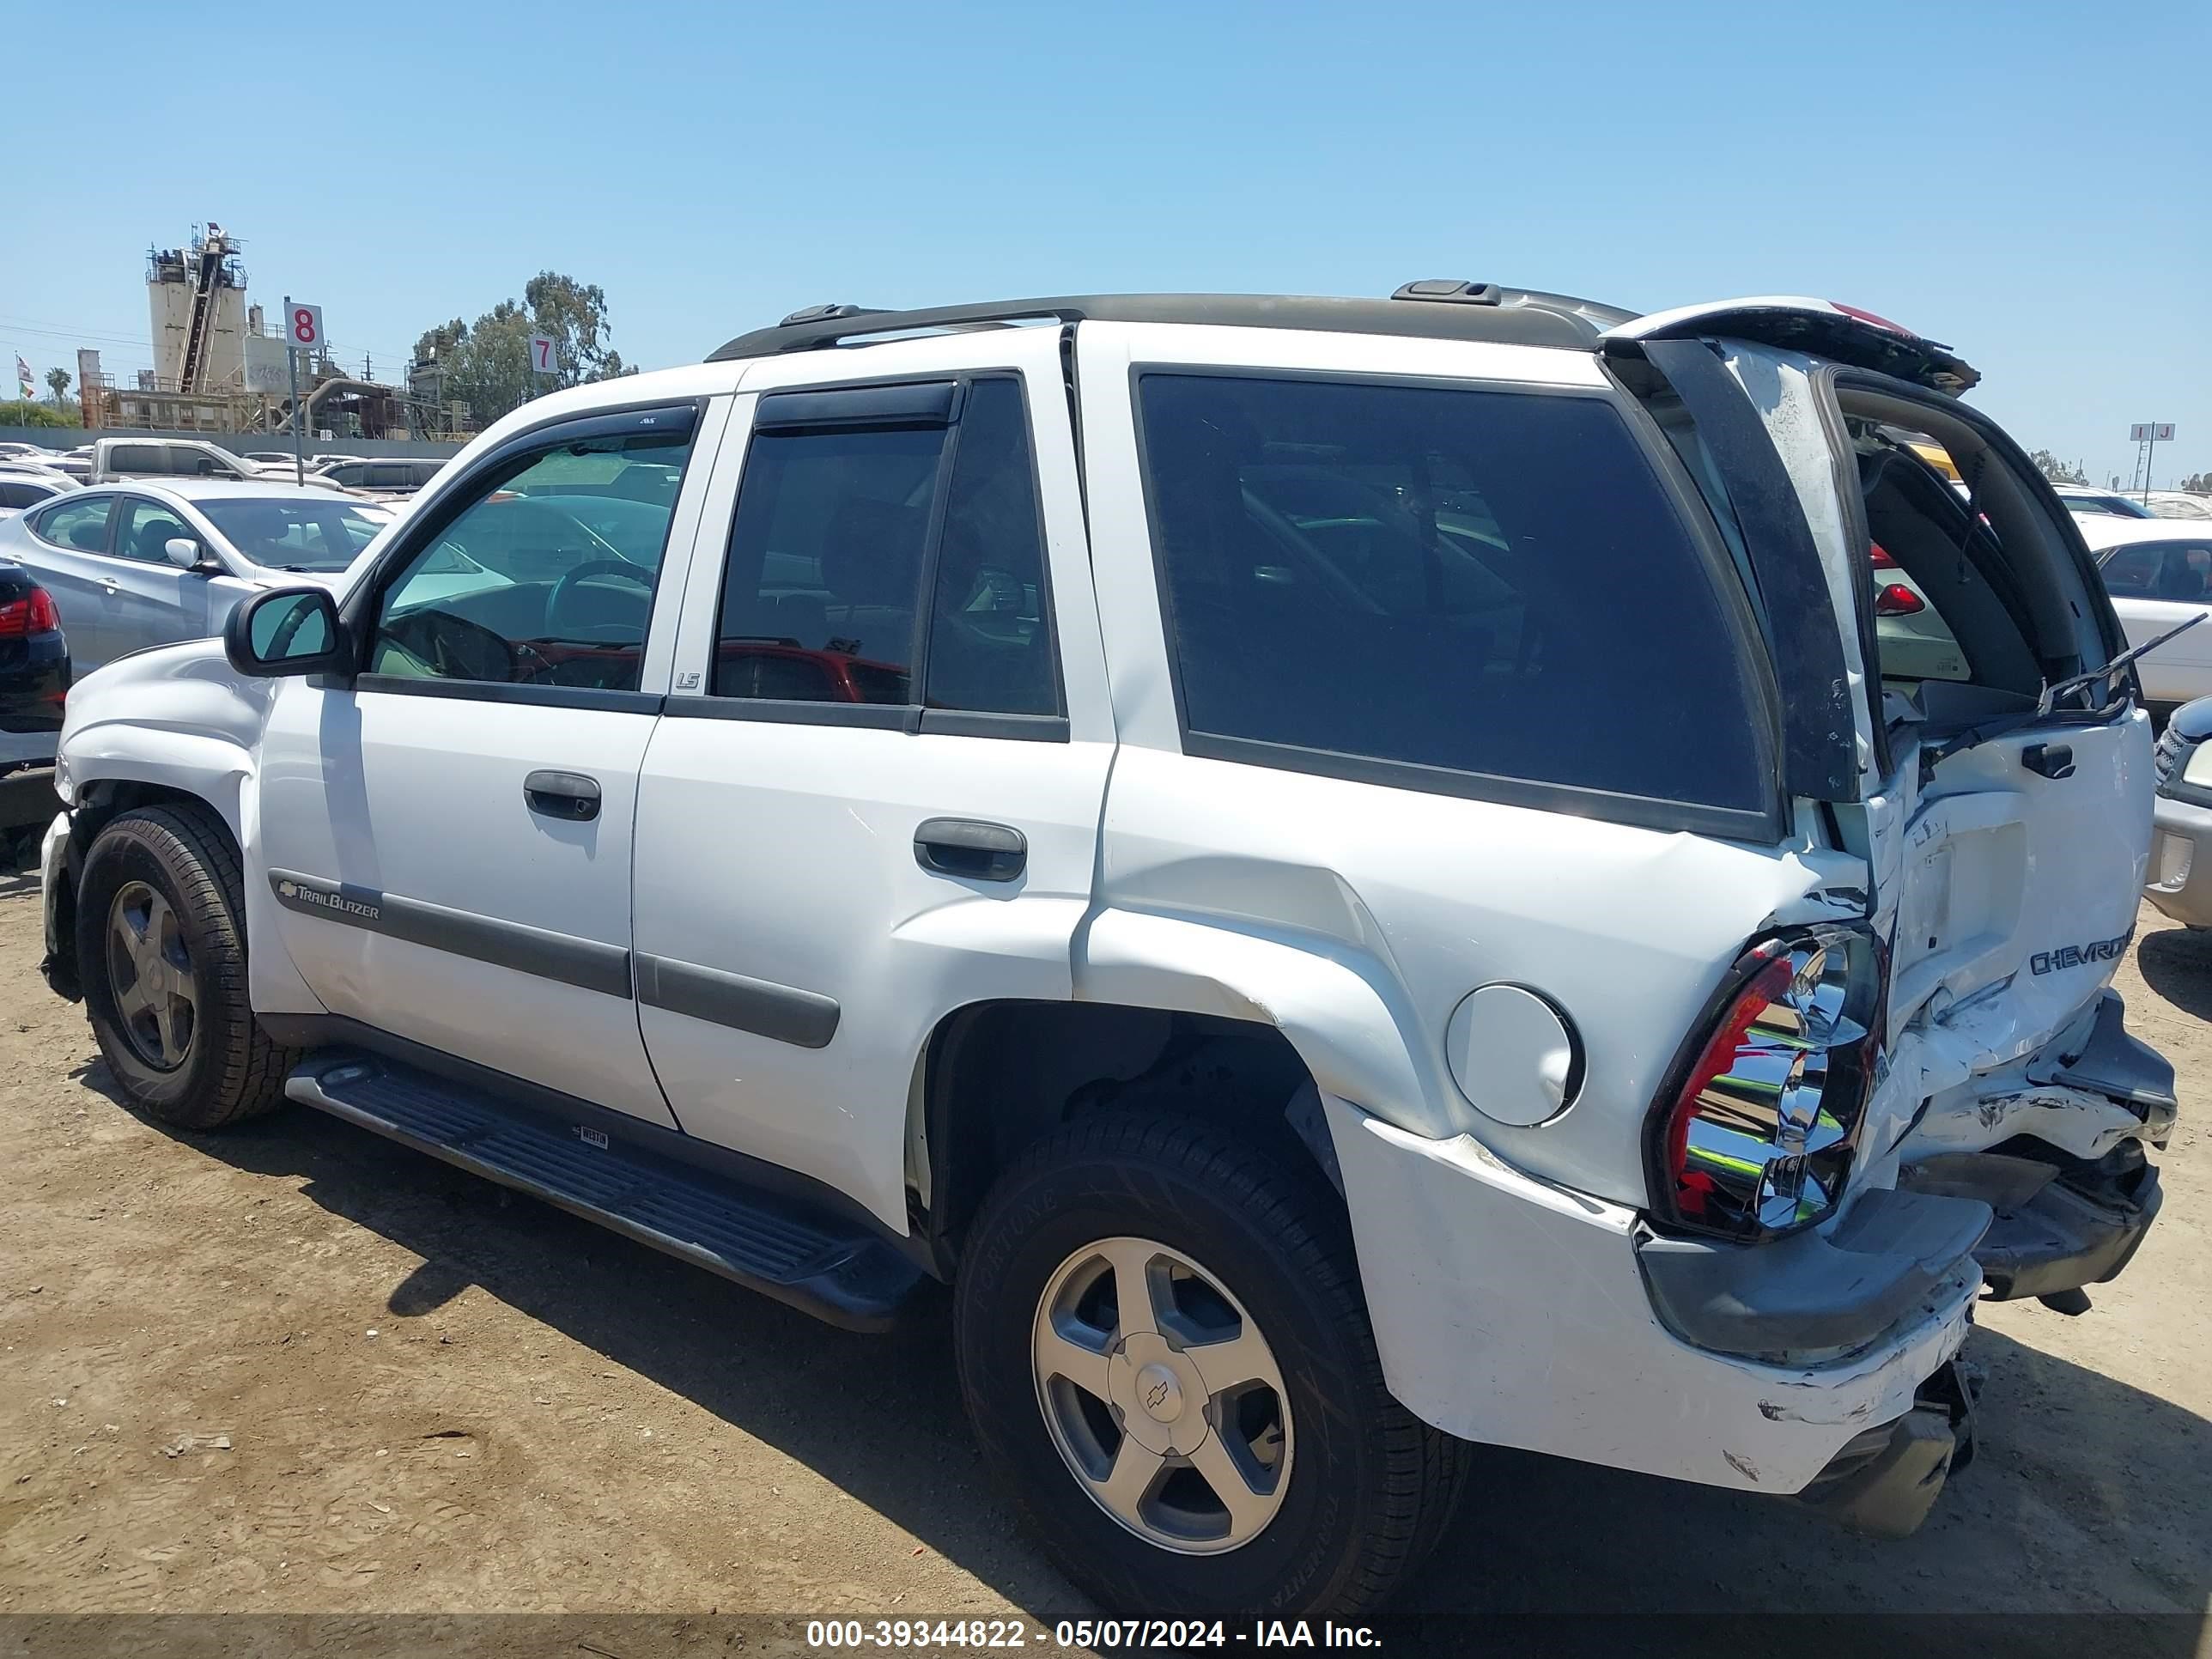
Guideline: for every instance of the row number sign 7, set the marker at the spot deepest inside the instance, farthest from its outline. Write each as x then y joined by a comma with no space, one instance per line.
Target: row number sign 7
542,360
303,328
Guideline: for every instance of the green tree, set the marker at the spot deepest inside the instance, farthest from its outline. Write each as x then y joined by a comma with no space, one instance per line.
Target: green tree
58,380
486,365
27,413
2058,471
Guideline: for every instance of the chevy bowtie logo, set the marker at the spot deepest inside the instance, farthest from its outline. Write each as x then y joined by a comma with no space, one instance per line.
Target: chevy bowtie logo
287,889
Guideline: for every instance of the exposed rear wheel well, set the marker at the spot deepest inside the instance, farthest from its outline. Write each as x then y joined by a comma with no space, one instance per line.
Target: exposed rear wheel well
1001,1075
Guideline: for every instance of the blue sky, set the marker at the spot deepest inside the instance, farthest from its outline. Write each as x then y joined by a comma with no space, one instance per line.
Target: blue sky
2028,182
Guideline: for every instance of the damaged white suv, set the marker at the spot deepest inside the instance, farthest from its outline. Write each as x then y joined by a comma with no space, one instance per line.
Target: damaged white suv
1351,872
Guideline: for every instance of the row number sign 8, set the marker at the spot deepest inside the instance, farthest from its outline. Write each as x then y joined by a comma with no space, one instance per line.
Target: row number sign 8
303,328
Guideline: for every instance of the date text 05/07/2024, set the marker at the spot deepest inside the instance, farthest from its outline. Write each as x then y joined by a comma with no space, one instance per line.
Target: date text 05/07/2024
1098,1634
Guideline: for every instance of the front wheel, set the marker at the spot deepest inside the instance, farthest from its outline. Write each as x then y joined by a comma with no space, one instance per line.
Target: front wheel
161,940
1167,1361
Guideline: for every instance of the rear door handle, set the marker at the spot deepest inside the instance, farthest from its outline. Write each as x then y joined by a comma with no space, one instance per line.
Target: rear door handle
971,847
569,796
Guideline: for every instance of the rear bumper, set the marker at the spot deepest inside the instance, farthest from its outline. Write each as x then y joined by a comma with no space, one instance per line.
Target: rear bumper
2057,1229
34,681
1887,1479
2180,879
1511,1312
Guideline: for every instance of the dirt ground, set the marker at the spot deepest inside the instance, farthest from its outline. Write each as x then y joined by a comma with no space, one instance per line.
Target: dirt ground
297,1370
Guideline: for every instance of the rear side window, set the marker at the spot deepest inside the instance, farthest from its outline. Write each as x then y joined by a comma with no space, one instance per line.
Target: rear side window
855,548
79,524
2180,571
22,495
1432,586
148,460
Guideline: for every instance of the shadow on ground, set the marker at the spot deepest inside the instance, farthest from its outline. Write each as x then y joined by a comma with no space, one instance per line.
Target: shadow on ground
2088,1497
2177,963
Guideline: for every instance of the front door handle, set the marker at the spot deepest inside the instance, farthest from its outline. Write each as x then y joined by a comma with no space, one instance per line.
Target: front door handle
569,796
971,847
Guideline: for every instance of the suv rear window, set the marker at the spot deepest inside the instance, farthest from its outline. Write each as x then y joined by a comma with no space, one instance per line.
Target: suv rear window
1455,589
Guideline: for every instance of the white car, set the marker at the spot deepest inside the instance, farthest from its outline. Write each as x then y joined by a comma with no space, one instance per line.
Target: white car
34,453
2159,572
23,487
140,564
2178,504
2085,500
1125,804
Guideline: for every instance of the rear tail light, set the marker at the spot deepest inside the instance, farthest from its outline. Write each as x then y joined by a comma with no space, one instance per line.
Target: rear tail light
1896,600
35,613
1879,556
1757,1136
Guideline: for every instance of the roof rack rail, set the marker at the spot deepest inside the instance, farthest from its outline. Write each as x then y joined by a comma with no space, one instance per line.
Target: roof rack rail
1444,309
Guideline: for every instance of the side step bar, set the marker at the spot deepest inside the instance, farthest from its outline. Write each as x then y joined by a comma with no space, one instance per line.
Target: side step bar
832,1269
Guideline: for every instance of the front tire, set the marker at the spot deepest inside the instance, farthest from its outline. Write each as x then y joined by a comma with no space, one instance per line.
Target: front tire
1168,1362
161,943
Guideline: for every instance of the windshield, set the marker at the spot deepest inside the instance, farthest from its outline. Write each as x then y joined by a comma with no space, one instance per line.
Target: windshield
294,534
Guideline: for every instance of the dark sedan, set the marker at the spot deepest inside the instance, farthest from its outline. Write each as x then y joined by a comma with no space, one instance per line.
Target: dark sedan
34,671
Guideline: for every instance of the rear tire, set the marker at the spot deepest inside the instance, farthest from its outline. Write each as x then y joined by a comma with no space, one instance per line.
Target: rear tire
160,944
1343,1492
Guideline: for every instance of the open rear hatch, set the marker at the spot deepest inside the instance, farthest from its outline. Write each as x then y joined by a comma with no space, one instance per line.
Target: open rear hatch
1947,718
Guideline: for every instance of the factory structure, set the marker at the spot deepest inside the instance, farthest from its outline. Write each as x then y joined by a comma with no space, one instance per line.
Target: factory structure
219,366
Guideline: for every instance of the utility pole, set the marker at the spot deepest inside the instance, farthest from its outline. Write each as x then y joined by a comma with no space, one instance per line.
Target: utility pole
292,363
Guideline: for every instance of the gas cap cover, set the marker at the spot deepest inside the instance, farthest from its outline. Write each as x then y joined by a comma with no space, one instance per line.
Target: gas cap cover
1514,1055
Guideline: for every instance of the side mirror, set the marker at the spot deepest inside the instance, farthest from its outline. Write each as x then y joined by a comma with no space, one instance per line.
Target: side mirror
183,552
286,631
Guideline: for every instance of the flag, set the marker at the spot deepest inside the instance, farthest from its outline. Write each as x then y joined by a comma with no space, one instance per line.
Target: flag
23,379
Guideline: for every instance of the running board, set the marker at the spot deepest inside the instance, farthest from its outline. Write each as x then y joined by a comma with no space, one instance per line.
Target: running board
834,1270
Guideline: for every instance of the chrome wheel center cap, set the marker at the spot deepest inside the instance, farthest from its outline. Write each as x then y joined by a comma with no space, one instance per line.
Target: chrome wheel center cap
1159,1393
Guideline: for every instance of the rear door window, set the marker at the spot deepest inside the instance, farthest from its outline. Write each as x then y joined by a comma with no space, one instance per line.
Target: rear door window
80,523
1479,591
2178,571
855,547
144,460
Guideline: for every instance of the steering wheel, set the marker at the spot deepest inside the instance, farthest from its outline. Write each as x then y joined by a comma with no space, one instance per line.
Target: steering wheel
452,648
563,593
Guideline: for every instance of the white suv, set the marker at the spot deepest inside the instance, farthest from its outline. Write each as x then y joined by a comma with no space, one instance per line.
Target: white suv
1344,869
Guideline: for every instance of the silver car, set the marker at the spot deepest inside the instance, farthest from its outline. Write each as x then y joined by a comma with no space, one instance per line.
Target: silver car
134,564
